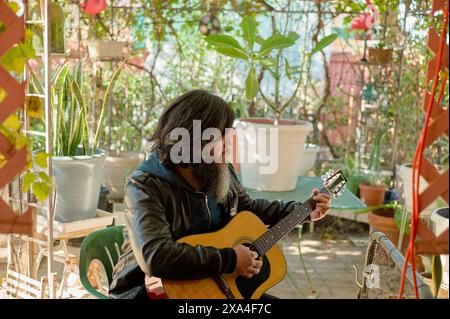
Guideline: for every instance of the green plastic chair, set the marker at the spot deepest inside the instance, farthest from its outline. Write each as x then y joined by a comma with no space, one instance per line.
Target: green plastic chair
104,245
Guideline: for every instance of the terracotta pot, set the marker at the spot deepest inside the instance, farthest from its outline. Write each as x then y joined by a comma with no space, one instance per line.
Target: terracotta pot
379,56
372,194
382,220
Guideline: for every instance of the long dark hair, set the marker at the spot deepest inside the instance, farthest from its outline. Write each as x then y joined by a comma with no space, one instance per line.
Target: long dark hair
201,105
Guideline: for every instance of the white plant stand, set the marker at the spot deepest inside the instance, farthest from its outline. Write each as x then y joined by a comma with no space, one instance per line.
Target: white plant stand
64,232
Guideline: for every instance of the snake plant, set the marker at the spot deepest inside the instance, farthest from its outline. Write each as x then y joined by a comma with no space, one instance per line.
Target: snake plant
70,113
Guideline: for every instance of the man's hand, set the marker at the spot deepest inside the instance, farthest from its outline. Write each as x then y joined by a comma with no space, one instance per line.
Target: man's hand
323,203
246,263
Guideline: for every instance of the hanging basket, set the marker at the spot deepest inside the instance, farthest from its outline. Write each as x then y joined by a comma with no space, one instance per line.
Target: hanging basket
379,56
209,25
57,29
105,49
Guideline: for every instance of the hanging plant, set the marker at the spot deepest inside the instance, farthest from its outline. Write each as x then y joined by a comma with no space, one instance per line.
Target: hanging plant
209,25
57,28
93,7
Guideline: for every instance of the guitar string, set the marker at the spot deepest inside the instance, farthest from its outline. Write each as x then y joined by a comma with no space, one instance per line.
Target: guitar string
283,227
263,243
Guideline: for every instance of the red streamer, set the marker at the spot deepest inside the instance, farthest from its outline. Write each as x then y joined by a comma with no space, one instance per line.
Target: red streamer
417,162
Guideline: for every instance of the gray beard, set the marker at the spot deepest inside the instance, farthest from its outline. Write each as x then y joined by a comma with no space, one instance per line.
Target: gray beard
214,178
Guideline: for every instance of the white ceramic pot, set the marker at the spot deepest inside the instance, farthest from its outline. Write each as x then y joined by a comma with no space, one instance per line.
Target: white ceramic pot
307,159
147,146
105,49
117,168
440,218
405,172
78,182
269,154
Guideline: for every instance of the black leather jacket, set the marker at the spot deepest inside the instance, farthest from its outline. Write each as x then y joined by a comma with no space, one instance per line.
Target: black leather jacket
161,207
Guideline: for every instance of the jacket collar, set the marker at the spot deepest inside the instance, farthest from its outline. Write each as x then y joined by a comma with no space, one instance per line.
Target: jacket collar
153,166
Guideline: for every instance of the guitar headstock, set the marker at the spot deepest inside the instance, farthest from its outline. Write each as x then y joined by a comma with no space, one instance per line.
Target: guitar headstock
334,182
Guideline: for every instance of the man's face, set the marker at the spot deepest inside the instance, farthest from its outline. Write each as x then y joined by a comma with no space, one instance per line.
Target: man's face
214,177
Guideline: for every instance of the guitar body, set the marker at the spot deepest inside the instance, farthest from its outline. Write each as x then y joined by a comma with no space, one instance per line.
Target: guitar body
243,229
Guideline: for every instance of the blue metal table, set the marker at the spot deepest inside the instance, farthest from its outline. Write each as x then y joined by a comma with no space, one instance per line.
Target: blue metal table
344,206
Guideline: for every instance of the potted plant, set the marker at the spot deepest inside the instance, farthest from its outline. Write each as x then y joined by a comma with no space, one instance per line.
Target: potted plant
263,55
101,49
105,49
440,219
57,28
77,161
118,165
380,55
372,189
308,158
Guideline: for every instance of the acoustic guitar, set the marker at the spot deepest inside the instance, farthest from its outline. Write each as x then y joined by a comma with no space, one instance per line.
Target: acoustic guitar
247,229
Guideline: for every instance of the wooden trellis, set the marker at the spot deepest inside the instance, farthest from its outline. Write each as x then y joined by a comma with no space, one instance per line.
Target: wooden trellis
427,242
16,159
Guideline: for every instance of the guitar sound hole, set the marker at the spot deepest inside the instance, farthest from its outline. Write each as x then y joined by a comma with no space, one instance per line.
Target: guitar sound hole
247,286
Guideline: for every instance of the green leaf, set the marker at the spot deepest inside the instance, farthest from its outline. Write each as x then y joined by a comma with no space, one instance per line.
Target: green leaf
293,36
269,62
41,159
44,177
108,91
12,122
227,45
322,44
287,69
276,41
248,26
27,180
13,6
41,190
259,39
60,76
398,215
36,83
436,273
251,84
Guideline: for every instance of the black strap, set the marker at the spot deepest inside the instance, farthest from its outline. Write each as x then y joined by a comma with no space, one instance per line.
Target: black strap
224,287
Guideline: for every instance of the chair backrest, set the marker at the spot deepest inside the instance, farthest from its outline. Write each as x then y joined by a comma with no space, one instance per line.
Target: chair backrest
104,245
19,286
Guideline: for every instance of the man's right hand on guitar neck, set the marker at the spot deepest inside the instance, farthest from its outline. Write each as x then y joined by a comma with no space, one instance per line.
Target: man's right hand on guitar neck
247,263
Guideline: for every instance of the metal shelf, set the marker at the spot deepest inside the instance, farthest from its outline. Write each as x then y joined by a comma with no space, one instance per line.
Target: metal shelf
36,133
42,22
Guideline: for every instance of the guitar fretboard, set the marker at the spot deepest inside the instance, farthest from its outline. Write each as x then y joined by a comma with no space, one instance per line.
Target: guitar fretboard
266,241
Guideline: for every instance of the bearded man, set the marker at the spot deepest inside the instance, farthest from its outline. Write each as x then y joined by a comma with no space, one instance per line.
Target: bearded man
167,198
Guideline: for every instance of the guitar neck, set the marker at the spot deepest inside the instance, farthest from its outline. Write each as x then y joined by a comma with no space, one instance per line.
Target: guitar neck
265,242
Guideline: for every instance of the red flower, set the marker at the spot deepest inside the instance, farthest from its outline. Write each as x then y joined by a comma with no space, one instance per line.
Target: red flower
360,22
93,6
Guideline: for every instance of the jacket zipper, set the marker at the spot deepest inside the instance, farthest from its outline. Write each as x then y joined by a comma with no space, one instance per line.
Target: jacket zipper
207,208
